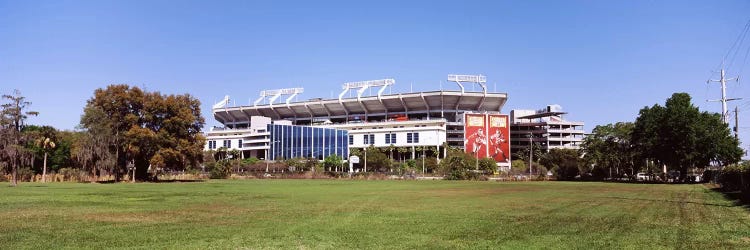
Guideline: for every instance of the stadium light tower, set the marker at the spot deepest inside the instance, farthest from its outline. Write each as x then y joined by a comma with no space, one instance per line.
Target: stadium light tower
276,93
223,103
478,79
364,85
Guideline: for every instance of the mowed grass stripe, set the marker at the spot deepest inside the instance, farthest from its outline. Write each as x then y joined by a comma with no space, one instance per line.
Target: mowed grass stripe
369,214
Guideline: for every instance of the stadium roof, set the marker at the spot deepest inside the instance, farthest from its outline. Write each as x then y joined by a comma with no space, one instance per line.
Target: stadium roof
434,101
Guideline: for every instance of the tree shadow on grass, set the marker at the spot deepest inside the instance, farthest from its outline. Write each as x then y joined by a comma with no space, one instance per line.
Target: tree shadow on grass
672,201
178,181
734,196
151,181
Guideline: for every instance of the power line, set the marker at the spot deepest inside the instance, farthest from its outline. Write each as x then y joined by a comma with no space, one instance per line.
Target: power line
737,41
740,40
736,46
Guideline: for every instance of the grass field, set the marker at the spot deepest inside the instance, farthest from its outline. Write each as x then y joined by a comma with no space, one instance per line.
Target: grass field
369,214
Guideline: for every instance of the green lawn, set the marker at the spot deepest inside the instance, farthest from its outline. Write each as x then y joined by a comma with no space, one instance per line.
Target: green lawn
369,214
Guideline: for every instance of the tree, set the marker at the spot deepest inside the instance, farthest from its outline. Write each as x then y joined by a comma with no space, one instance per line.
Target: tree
523,153
519,166
333,162
458,165
47,145
12,120
391,148
430,164
57,156
295,164
609,146
376,159
401,152
355,151
148,128
488,165
679,136
564,162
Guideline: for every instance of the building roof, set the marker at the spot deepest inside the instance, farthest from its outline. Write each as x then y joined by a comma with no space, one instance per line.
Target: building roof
433,101
540,115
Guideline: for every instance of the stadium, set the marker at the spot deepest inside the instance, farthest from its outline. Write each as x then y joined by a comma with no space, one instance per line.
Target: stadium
414,122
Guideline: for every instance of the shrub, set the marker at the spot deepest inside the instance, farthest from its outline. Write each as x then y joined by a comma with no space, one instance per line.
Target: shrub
250,161
459,165
333,161
74,174
430,164
736,178
220,170
488,165
25,174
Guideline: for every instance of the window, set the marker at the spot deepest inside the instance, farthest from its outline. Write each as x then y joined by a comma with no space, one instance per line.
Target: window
369,139
390,138
412,137
239,143
227,143
211,144
351,140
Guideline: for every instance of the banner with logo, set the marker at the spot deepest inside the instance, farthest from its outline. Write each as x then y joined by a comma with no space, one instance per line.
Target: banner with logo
475,135
498,138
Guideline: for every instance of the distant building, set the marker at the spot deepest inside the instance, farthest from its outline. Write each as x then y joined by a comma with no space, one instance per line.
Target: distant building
276,140
252,140
545,127
414,121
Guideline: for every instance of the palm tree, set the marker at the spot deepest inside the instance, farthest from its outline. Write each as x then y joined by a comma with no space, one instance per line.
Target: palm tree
419,150
433,149
354,151
46,144
401,152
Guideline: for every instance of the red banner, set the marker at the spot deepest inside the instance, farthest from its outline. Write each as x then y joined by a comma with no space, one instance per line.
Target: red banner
487,136
475,135
498,134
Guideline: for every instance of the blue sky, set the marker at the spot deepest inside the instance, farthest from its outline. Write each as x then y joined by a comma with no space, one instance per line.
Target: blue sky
601,60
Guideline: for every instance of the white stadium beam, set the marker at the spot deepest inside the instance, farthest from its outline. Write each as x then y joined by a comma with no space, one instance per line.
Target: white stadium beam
478,79
275,94
364,85
223,103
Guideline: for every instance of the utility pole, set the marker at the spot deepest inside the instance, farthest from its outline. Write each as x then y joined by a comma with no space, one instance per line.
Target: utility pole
736,123
531,152
724,99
